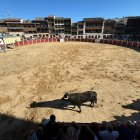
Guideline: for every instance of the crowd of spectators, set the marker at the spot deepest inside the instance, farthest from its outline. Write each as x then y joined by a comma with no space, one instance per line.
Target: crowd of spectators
49,129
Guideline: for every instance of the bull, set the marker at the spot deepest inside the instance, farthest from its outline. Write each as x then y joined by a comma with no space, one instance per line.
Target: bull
77,99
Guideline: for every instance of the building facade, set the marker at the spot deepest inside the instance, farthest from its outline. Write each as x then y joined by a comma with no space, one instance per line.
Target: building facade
94,28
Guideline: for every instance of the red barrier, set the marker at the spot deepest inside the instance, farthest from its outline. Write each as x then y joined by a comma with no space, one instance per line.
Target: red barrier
106,41
135,44
21,43
68,39
56,40
34,41
110,41
46,40
129,44
86,40
115,42
124,43
25,42
93,40
50,39
53,39
16,44
138,45
30,42
119,42
38,41
42,40
101,41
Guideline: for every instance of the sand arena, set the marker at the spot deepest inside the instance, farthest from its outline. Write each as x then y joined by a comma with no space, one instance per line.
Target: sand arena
43,72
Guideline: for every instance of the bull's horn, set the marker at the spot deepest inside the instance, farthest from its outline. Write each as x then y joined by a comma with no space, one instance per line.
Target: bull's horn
66,98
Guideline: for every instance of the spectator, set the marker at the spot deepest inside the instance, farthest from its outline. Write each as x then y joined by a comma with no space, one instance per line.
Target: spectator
103,125
127,131
37,133
93,134
52,129
137,137
137,123
109,133
72,132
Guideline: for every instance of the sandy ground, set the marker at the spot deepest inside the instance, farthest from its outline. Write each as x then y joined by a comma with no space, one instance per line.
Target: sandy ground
43,72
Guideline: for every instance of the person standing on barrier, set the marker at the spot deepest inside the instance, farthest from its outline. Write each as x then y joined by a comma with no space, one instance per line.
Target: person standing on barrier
2,45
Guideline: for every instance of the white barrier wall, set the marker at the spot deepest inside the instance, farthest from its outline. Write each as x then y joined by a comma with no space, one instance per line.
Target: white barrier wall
11,39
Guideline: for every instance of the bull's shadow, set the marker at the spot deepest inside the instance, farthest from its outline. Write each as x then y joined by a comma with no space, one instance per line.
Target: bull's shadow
57,104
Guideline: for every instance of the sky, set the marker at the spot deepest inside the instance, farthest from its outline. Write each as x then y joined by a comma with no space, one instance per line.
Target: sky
74,9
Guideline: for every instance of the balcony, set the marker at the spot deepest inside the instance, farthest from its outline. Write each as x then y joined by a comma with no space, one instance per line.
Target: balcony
67,23
29,29
57,29
93,31
15,28
3,29
51,27
93,27
50,21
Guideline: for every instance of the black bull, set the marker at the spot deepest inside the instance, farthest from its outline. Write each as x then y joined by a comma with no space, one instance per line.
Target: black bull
77,99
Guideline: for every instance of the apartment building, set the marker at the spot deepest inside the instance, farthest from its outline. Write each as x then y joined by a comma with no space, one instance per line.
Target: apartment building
93,27
74,30
108,28
128,28
14,25
133,25
17,26
50,23
63,27
3,27
120,26
80,29
41,25
59,26
67,27
29,27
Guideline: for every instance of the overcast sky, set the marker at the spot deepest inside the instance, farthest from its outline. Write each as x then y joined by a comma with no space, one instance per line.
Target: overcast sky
75,9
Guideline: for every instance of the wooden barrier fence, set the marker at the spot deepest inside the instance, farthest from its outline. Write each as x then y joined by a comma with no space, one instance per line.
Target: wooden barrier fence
28,42
125,43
